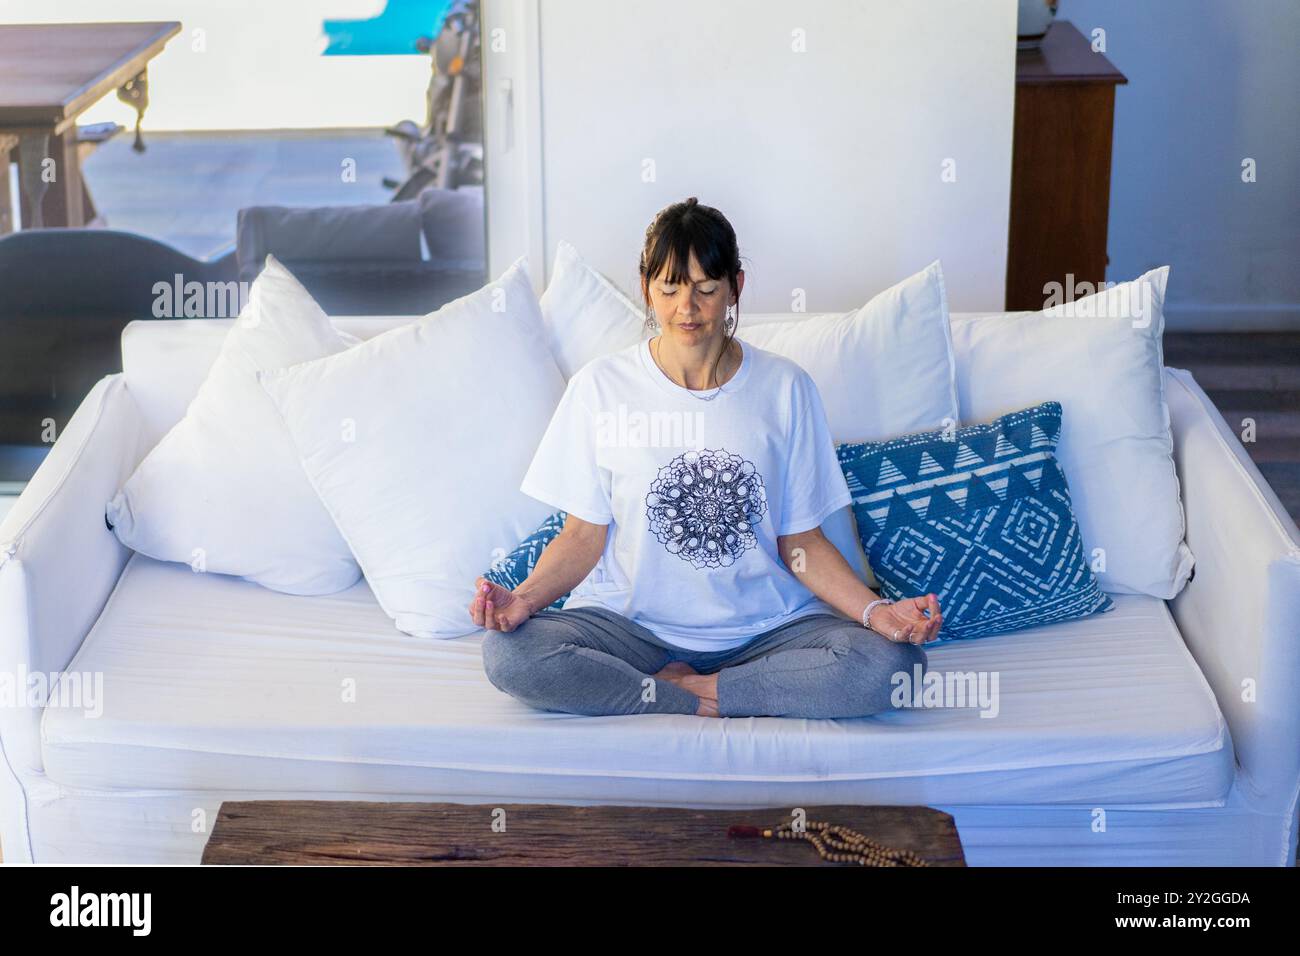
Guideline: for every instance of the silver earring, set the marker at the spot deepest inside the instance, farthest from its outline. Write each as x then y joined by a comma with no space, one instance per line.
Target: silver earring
731,317
651,319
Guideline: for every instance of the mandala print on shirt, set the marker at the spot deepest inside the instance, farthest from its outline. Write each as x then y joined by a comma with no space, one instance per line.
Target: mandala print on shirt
704,505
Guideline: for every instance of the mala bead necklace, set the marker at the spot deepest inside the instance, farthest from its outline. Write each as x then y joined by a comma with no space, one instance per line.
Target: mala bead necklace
835,843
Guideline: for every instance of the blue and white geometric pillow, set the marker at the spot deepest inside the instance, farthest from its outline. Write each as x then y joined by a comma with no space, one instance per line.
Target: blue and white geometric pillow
983,520
511,570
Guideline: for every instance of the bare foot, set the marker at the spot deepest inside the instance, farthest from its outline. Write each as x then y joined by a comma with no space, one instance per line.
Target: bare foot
674,671
706,689
688,678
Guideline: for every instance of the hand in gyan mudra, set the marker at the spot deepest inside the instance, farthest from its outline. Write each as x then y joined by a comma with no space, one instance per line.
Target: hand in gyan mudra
497,608
907,620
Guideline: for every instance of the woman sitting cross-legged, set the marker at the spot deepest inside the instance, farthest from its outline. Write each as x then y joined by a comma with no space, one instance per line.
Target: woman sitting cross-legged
696,474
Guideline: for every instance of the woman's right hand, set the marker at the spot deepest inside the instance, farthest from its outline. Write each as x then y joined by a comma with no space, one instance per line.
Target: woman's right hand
497,608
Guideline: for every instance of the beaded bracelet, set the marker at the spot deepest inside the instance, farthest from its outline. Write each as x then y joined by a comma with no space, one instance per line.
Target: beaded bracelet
866,613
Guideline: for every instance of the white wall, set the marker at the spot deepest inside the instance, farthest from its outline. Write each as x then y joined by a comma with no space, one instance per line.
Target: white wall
827,162
250,64
1211,82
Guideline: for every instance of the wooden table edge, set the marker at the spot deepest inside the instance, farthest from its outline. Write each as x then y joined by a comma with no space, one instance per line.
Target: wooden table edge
242,853
83,98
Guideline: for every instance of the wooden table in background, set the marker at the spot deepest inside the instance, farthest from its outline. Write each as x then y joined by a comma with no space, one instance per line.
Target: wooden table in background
326,832
51,73
1060,166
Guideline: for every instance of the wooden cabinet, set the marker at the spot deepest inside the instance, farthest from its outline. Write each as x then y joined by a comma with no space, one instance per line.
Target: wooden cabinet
1060,166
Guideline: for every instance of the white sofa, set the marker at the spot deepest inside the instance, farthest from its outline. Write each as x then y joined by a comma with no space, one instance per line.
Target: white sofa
1160,733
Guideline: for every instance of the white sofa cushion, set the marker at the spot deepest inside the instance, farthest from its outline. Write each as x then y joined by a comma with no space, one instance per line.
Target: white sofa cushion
214,684
883,370
223,490
1101,357
416,441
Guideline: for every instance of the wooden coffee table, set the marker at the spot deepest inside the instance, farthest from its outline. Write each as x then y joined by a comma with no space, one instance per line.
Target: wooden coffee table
327,832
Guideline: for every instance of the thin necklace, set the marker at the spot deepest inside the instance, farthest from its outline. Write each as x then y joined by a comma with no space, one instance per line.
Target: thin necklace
701,398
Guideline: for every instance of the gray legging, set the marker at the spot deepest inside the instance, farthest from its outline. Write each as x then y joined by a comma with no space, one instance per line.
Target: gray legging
595,662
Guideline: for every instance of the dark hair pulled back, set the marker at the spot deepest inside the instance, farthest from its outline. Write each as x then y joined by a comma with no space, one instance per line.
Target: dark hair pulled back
674,233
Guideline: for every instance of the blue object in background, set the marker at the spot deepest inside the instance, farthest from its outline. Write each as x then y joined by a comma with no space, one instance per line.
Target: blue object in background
395,30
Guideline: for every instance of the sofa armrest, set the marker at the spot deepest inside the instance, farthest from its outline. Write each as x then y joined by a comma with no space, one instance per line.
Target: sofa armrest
58,560
1240,612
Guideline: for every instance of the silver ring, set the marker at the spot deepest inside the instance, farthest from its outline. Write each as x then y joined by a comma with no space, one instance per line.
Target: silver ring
896,633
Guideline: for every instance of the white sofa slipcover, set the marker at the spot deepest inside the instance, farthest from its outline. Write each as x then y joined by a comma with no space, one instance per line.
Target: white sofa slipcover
1126,738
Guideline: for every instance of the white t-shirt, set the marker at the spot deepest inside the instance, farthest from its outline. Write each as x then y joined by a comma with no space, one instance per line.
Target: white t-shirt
695,492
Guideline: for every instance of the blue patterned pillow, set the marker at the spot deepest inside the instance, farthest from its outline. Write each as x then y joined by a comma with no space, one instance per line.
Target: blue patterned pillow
983,520
511,570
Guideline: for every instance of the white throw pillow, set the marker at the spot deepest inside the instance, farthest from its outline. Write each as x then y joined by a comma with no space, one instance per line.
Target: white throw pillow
1102,358
585,314
417,440
223,490
883,370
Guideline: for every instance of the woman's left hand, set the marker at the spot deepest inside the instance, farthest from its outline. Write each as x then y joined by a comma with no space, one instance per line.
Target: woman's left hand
905,620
